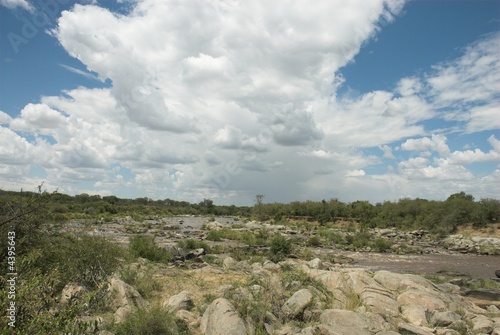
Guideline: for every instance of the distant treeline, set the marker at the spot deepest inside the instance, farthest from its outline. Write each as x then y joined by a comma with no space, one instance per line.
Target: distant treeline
458,209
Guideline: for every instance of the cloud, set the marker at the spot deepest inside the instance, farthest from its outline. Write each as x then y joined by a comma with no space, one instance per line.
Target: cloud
435,143
294,128
467,87
79,72
38,118
229,99
13,4
387,151
4,118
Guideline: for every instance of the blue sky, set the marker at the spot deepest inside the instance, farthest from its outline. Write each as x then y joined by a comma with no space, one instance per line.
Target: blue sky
363,100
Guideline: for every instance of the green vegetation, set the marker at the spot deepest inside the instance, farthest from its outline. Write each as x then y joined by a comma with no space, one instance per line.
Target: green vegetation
191,244
266,298
46,261
440,217
144,246
151,321
280,247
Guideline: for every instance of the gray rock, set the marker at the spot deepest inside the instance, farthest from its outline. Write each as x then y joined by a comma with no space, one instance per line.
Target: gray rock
493,309
179,301
187,316
482,324
125,299
344,322
229,263
380,300
271,266
447,332
315,263
412,330
296,304
221,318
444,319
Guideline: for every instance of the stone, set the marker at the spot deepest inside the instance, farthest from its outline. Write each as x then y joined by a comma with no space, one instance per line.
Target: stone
186,316
344,322
447,332
416,302
380,300
271,266
482,324
70,291
495,331
444,319
296,304
315,264
229,263
493,309
179,301
221,318
124,298
410,329
195,253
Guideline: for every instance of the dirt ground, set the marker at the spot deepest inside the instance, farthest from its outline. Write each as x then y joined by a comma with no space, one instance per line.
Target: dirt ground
475,266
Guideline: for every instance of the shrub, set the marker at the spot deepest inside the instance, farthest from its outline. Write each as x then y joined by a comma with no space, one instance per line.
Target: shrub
214,235
148,321
191,244
382,245
314,241
144,246
143,282
280,247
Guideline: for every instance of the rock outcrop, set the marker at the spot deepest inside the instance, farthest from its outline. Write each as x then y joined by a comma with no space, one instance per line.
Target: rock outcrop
221,318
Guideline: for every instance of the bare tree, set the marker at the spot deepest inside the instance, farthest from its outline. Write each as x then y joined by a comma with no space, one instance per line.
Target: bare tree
258,199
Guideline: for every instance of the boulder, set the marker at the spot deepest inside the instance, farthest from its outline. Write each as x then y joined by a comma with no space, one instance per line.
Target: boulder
344,322
229,263
187,317
296,304
179,301
315,264
447,332
410,329
482,324
124,298
380,300
444,319
416,303
221,318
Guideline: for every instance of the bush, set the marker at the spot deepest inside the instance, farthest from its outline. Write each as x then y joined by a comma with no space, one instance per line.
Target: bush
314,241
191,244
148,321
143,282
382,245
144,246
214,235
280,247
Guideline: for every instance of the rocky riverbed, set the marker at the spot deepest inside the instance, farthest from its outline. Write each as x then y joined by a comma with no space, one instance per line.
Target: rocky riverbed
420,285
474,256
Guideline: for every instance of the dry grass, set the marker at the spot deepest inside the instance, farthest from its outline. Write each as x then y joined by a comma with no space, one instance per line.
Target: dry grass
491,230
199,282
